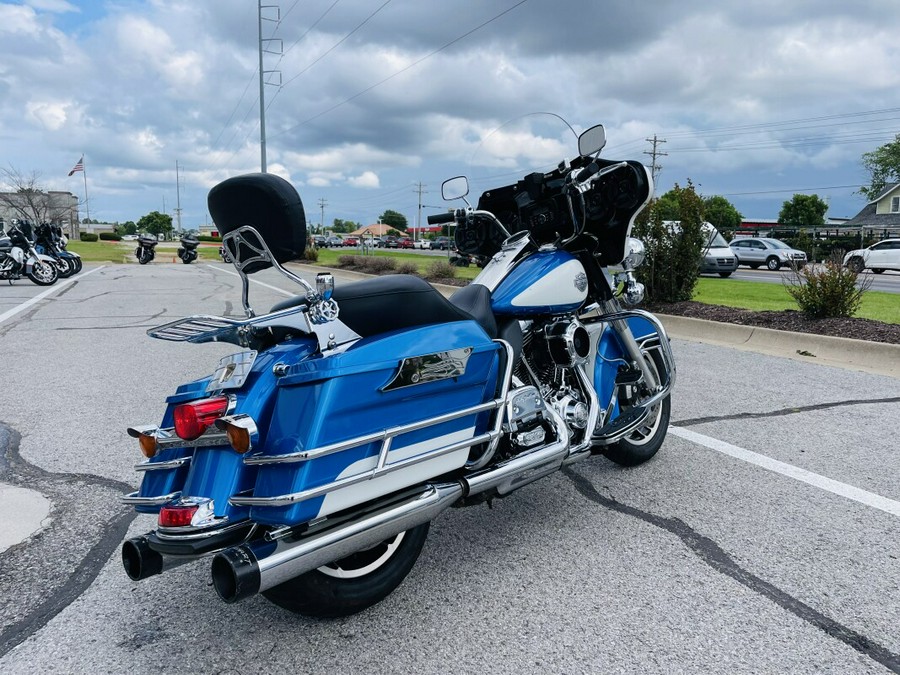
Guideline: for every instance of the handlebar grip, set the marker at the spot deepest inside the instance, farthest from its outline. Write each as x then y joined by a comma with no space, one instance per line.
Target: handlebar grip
441,218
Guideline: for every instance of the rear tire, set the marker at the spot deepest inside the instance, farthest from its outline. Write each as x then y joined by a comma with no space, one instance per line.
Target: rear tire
645,441
724,275
877,271
754,266
352,584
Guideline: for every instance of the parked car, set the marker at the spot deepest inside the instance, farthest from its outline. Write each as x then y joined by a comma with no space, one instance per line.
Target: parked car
319,240
405,242
718,258
376,242
333,240
422,243
885,255
129,237
390,241
441,243
773,253
351,241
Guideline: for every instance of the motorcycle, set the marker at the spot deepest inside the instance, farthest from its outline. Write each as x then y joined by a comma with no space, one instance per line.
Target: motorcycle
48,241
18,257
188,249
145,251
311,463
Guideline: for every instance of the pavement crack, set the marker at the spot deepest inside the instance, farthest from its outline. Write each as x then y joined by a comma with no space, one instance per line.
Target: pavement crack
784,411
715,557
52,568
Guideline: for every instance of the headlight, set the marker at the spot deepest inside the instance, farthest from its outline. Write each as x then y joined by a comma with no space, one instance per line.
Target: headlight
634,253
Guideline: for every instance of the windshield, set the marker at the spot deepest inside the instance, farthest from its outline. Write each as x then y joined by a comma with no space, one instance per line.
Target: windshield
716,240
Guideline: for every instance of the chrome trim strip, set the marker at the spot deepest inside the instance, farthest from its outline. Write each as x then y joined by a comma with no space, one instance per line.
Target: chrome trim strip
185,534
132,498
293,498
159,466
382,436
166,438
432,367
499,416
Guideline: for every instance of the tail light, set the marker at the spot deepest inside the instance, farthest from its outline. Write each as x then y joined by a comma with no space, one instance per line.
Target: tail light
192,419
177,515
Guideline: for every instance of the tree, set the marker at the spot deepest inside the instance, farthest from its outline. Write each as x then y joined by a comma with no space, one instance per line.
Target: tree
128,227
883,165
155,223
394,219
344,225
722,214
673,254
803,211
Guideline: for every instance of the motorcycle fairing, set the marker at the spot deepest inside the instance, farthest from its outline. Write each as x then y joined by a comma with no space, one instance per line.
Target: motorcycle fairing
326,442
548,282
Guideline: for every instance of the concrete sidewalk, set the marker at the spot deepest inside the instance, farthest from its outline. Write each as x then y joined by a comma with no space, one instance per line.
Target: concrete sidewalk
24,512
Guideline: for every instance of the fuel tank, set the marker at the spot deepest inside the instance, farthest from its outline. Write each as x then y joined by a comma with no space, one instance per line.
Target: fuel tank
548,282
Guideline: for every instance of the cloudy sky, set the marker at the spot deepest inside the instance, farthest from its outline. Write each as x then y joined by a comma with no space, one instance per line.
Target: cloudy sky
755,100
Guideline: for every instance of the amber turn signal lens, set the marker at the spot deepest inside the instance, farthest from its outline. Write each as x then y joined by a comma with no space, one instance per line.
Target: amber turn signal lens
148,445
239,438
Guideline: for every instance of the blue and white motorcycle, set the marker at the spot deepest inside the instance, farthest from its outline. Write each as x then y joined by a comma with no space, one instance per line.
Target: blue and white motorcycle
310,464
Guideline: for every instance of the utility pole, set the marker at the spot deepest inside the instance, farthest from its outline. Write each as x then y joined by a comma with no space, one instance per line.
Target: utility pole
177,197
322,205
420,189
655,168
262,77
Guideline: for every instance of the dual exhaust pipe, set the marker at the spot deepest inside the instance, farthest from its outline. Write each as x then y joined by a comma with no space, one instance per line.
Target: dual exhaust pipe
242,571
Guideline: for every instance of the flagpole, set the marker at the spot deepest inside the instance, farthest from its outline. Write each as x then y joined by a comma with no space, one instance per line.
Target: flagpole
87,205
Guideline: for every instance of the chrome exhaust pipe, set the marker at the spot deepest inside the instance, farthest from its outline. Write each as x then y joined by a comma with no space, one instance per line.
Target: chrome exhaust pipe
243,571
141,561
526,467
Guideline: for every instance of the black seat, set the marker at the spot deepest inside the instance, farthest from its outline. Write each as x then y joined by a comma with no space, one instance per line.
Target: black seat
396,301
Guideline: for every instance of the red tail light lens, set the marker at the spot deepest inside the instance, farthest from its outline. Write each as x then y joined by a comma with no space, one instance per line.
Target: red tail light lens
177,516
192,419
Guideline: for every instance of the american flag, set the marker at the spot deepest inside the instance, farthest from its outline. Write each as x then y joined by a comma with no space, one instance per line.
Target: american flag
78,167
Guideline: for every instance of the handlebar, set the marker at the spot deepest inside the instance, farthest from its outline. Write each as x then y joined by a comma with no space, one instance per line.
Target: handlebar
442,218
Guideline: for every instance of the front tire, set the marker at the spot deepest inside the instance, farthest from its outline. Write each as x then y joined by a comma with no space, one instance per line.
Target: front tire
43,273
856,265
645,441
773,264
352,584
724,275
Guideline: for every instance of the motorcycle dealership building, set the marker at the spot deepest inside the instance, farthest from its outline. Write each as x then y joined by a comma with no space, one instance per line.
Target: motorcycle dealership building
56,207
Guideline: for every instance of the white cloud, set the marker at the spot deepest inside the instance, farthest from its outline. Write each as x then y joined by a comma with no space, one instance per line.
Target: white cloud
367,179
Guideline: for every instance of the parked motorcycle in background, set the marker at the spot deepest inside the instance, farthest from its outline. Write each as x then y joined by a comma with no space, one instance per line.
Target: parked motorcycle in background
310,464
48,242
188,249
18,257
145,251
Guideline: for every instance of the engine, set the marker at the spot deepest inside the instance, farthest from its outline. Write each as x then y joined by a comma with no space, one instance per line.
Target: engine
551,350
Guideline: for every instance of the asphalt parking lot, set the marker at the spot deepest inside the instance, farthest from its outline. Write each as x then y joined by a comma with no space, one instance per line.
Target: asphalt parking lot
762,538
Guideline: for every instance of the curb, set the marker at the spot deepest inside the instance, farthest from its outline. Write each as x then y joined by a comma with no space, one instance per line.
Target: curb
871,357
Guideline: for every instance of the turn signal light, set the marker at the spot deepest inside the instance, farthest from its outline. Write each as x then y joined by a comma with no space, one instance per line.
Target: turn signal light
177,516
239,438
192,419
148,445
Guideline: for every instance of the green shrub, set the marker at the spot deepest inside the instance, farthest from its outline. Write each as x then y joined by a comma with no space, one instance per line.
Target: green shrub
440,269
88,236
379,264
311,254
206,237
827,289
672,264
407,268
350,262
109,236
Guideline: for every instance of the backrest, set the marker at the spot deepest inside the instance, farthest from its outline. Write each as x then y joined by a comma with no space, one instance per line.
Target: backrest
270,205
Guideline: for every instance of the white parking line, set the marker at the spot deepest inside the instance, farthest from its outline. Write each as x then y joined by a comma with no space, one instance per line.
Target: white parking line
274,288
62,283
791,471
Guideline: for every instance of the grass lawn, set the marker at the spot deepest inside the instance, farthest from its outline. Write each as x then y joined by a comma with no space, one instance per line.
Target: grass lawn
760,296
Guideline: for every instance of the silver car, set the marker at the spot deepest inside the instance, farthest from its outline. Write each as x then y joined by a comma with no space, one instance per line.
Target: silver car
885,255
773,253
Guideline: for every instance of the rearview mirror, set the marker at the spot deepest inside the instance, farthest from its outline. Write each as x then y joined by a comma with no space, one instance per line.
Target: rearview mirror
455,188
592,141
